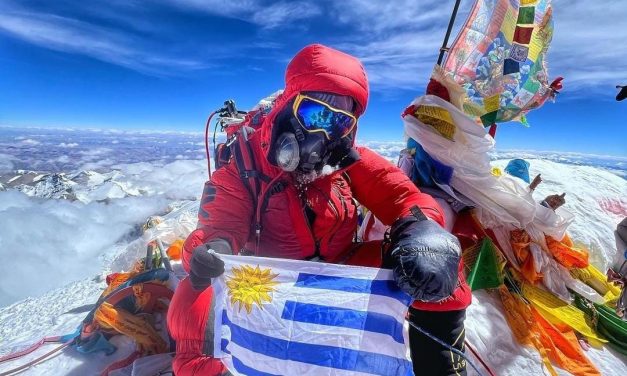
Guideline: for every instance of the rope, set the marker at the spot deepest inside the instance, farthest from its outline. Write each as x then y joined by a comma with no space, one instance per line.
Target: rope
29,349
35,361
207,142
444,344
476,354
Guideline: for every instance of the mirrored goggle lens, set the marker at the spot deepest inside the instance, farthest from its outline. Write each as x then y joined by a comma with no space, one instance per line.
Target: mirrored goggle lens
316,116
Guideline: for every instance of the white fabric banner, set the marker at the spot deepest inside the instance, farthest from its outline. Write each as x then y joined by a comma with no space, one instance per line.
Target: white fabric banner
287,317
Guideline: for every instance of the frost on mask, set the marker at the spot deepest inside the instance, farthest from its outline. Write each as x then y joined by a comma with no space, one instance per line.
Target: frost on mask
309,177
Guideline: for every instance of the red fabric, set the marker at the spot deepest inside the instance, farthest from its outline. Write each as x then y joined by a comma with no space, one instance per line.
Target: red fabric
386,191
187,319
557,84
372,181
492,131
436,88
467,230
522,34
227,209
364,254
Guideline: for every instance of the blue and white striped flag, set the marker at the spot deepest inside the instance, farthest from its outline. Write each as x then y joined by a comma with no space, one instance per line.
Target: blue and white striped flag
287,317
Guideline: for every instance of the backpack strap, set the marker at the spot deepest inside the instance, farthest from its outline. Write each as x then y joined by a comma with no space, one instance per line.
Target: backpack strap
253,180
246,167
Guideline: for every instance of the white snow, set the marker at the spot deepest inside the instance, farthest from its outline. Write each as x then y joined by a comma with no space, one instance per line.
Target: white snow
13,179
71,236
586,189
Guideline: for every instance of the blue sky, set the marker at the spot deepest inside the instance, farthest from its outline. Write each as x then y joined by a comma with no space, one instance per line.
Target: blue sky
165,64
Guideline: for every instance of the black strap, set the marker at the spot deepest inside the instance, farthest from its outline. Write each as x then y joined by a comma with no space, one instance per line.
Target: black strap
253,174
416,212
247,169
276,188
239,162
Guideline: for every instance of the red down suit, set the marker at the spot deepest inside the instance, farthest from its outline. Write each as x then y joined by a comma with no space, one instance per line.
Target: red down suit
228,211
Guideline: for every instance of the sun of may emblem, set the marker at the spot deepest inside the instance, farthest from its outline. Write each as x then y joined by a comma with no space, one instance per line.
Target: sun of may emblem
249,286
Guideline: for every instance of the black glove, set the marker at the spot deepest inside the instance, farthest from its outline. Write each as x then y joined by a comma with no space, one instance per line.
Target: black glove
424,258
204,265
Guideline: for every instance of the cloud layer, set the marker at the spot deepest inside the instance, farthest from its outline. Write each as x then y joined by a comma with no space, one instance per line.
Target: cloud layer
101,43
55,150
398,41
48,243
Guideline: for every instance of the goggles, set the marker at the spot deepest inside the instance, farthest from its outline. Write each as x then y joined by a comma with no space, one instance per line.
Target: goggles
316,116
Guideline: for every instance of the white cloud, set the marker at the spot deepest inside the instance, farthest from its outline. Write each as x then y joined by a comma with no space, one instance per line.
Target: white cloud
6,162
68,145
266,15
74,36
388,149
376,17
399,41
63,159
99,164
49,243
589,47
404,60
96,152
52,242
284,13
179,180
30,142
511,153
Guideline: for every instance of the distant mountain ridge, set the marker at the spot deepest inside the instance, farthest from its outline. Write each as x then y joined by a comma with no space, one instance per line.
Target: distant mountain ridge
84,186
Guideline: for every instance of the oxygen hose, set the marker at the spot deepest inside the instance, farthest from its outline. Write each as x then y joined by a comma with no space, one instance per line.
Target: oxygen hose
207,142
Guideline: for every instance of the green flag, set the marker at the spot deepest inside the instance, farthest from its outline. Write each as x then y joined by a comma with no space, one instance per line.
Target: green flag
487,271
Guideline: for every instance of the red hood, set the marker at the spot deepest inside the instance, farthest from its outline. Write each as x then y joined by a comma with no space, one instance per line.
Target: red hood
319,68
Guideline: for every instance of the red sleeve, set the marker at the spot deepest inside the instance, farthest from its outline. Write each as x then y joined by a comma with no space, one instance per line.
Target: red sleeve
225,212
386,191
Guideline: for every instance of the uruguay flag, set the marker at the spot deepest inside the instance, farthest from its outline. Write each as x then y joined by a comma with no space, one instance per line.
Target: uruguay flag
287,317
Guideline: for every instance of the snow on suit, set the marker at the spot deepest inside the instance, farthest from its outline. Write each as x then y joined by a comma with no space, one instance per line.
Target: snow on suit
228,210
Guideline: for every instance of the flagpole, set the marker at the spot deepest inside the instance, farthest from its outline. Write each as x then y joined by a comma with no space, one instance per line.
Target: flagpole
444,47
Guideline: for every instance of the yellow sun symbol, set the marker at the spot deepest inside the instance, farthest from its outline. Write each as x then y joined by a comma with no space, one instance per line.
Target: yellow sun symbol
250,286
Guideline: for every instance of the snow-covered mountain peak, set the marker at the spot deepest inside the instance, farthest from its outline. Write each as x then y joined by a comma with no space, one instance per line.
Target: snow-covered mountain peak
55,186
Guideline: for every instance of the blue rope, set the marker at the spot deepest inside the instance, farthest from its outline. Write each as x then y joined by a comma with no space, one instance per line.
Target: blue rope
446,345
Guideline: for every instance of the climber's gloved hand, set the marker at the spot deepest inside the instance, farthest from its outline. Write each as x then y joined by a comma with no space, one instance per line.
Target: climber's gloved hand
206,264
424,258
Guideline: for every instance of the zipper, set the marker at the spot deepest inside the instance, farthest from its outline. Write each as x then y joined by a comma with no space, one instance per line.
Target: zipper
336,212
316,242
337,192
